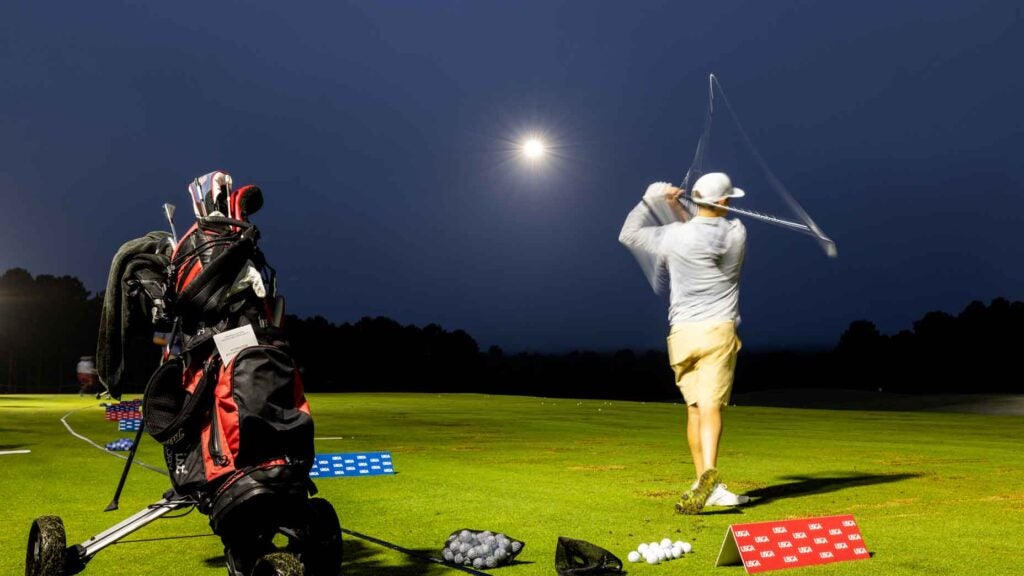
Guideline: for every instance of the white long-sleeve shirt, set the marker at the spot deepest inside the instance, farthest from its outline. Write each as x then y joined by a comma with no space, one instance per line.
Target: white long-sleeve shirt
703,255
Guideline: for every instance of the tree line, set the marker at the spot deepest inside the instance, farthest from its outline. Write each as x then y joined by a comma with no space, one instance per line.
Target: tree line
48,322
973,351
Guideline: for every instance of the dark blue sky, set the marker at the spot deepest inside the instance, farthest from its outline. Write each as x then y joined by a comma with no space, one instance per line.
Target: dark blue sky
382,136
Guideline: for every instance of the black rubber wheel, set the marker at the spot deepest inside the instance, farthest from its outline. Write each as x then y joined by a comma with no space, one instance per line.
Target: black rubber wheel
322,552
278,564
47,547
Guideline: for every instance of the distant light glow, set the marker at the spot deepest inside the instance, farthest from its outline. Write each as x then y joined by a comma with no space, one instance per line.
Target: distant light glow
533,148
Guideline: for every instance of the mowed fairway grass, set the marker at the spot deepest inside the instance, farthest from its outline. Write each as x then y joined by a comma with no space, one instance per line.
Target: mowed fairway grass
933,493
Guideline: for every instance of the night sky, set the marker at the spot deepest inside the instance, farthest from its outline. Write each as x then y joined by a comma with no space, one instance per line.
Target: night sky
384,134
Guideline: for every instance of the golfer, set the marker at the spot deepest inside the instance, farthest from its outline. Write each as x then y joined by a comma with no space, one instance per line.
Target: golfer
703,256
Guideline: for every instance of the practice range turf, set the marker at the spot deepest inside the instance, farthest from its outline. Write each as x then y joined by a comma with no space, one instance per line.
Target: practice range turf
932,493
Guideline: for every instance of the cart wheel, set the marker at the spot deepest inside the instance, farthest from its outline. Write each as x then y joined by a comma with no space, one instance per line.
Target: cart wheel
322,556
47,547
278,564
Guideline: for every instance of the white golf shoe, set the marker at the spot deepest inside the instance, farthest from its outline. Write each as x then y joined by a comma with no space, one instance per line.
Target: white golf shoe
720,496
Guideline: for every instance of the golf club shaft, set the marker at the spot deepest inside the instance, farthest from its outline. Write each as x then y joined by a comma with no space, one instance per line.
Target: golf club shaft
413,553
169,213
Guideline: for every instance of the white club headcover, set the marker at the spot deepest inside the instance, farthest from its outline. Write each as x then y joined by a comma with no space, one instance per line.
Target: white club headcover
221,185
249,277
207,190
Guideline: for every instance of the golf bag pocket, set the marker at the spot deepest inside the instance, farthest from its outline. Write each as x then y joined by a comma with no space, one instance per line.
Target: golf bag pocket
173,411
185,466
260,413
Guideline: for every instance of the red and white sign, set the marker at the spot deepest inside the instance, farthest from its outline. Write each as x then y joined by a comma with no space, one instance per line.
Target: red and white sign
763,546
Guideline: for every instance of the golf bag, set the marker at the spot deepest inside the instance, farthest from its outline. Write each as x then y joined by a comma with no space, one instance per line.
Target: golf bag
225,398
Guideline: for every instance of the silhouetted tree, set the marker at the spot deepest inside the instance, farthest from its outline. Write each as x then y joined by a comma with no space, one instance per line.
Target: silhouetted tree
380,354
974,351
46,324
861,356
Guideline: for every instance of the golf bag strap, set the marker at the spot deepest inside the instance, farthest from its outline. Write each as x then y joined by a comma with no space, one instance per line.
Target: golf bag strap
204,294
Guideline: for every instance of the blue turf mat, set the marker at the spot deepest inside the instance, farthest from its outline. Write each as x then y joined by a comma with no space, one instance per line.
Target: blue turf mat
129,424
352,464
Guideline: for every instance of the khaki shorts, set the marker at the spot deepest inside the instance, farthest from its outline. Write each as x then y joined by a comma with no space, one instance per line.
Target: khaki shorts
703,358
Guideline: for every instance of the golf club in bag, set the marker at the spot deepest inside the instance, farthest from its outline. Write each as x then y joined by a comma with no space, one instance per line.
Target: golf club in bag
223,395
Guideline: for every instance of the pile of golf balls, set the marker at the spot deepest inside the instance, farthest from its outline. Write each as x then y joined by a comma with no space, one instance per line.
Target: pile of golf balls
658,552
480,549
120,444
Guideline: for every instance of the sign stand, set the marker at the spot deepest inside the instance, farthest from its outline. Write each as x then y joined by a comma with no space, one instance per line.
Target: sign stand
763,546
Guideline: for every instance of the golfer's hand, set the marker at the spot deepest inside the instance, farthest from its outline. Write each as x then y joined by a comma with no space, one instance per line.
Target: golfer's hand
672,194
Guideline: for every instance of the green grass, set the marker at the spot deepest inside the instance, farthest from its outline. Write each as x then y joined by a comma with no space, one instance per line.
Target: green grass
933,493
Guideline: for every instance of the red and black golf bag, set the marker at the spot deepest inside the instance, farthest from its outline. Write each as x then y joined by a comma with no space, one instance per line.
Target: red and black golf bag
226,399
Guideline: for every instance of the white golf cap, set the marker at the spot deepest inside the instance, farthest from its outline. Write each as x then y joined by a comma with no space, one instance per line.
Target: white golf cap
714,186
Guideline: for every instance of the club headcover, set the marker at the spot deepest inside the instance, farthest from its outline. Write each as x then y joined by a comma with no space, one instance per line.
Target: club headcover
245,202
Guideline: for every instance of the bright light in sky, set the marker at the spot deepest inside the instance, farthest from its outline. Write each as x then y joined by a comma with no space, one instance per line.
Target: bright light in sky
533,148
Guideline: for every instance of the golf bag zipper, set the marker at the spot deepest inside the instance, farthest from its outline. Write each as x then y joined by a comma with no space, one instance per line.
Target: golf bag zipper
214,445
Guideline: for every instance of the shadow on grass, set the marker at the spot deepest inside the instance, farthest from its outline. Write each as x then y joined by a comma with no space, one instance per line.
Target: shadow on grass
808,485
14,446
724,511
361,558
18,398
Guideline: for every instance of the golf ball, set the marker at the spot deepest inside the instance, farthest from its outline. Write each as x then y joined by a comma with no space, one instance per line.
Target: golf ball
687,548
642,548
677,552
634,556
652,559
665,543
